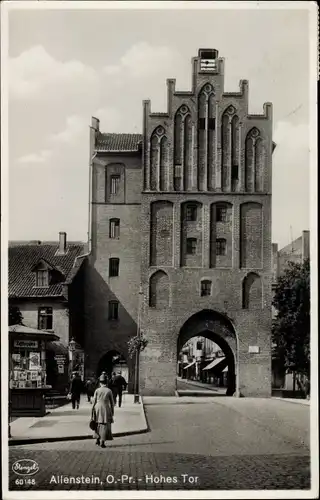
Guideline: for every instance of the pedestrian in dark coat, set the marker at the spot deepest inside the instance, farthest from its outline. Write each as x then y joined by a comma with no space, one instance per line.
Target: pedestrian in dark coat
75,390
112,386
119,385
90,388
102,412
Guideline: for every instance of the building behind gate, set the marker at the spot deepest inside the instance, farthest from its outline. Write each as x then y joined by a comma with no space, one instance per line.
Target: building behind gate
182,213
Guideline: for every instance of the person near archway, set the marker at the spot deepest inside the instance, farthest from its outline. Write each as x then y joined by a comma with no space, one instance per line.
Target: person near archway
119,385
90,387
103,412
75,390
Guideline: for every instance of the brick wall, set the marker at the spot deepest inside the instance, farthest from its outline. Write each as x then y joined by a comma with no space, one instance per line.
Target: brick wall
103,334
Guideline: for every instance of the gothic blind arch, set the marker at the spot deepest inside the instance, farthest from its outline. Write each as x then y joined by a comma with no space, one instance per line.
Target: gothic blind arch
163,173
204,116
252,292
159,290
251,232
156,158
229,148
254,154
182,144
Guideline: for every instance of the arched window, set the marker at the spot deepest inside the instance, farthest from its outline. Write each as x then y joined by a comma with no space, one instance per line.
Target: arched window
206,288
252,292
159,290
114,228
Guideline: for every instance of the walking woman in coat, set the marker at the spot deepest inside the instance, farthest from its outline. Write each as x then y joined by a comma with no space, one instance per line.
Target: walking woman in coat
102,412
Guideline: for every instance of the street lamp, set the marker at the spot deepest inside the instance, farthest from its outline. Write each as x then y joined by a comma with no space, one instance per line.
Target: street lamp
72,348
136,389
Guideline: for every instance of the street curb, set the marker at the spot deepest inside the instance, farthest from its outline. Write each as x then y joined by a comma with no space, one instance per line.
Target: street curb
142,430
295,402
144,415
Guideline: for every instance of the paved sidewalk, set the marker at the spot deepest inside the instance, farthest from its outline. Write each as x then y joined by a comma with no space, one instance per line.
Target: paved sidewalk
186,385
64,423
220,391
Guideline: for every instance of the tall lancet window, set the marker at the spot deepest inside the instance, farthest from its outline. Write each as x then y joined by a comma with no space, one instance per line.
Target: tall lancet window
211,144
155,168
253,158
258,163
154,153
226,147
178,138
182,147
203,126
163,181
188,152
235,153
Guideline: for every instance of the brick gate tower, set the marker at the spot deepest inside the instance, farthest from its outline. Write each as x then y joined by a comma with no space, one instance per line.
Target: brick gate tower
183,212
206,229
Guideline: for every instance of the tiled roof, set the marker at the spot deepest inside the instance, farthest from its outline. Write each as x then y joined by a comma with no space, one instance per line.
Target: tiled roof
22,259
118,142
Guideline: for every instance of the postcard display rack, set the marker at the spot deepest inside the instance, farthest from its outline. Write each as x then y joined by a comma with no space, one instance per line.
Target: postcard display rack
28,377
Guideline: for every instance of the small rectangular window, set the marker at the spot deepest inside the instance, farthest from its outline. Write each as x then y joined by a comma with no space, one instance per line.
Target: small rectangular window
42,278
45,318
221,214
235,172
177,183
202,123
205,288
221,247
191,213
113,267
212,123
114,184
113,310
191,246
114,228
199,346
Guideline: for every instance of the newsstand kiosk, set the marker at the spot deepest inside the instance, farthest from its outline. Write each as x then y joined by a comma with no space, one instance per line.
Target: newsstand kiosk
27,371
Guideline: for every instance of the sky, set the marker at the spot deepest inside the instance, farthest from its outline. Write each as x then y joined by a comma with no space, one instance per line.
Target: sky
68,65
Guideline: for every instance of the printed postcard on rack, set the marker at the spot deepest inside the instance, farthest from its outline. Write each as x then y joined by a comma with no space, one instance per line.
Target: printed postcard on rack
159,279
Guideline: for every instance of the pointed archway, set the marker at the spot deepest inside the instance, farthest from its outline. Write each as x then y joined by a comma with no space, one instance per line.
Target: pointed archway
109,361
218,328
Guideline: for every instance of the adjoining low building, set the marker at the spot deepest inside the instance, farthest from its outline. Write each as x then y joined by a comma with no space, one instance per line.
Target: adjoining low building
296,251
46,285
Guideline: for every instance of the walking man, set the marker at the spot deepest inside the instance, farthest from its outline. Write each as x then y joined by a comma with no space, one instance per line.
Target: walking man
119,384
89,389
75,390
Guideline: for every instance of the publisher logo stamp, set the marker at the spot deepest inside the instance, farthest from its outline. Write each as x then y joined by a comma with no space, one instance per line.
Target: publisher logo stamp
25,467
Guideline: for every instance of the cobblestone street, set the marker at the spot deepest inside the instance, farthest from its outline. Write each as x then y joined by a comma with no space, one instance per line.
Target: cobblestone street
194,443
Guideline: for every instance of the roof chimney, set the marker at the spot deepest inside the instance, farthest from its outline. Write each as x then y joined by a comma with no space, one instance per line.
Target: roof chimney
95,123
62,243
